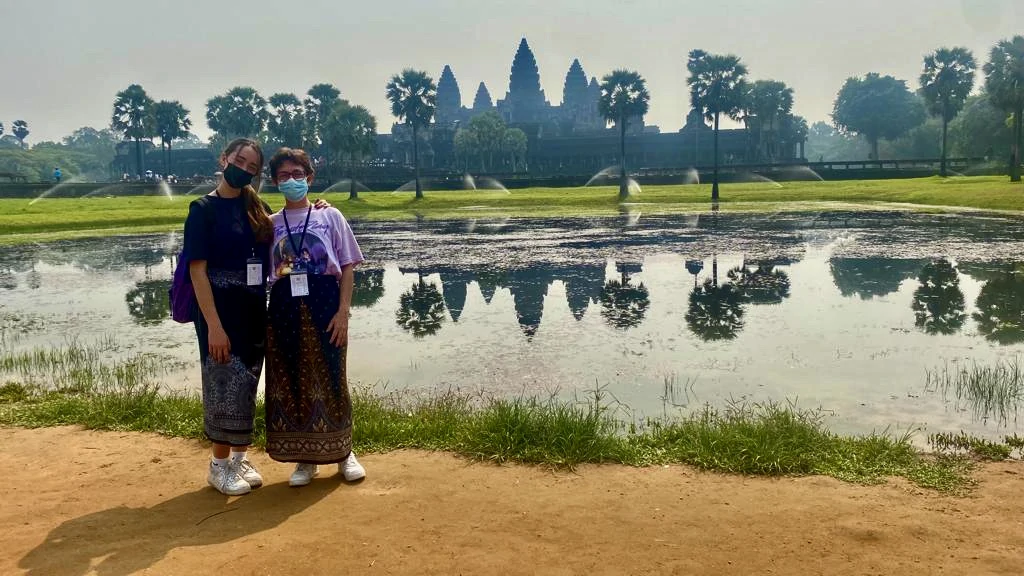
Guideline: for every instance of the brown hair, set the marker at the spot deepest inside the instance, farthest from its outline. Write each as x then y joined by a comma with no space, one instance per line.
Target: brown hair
259,220
296,155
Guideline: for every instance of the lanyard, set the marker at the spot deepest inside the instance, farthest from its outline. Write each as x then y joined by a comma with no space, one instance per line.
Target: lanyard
297,250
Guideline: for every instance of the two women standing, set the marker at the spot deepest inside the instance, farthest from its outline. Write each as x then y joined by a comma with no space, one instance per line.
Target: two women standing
228,238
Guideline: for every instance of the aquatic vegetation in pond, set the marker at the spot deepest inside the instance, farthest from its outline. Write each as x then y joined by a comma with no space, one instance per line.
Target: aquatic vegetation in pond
992,391
78,368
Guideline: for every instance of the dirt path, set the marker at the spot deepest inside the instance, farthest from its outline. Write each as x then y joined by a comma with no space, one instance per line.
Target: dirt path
76,503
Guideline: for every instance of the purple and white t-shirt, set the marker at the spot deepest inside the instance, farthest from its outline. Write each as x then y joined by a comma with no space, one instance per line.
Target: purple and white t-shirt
328,247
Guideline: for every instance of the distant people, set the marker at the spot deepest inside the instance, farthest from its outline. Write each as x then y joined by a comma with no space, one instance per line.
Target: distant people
309,408
57,174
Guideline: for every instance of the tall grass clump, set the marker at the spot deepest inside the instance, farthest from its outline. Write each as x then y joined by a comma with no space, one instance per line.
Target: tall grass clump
538,431
991,391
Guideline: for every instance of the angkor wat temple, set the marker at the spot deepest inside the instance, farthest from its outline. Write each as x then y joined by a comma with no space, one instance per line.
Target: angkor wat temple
570,138
525,103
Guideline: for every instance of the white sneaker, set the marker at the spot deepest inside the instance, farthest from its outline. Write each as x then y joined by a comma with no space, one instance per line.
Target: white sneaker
227,481
304,474
248,473
351,469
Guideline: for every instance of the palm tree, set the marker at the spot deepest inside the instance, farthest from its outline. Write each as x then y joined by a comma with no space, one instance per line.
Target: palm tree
938,303
717,86
1004,82
350,131
20,131
624,305
1000,309
793,131
241,112
133,117
368,287
946,82
287,122
413,97
320,100
149,302
763,285
767,102
715,311
421,309
624,95
171,121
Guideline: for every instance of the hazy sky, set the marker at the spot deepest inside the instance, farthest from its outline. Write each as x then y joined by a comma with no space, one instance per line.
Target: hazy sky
61,62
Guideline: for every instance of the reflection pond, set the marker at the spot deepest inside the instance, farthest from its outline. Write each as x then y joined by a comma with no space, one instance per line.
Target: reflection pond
843,311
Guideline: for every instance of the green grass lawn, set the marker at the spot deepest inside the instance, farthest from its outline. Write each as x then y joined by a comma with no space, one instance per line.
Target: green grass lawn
49,219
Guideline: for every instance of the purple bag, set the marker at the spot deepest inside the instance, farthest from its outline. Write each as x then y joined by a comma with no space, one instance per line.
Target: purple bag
182,295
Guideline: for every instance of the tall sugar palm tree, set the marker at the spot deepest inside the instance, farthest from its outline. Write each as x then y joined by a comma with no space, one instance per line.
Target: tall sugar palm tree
717,86
413,97
1004,82
946,82
171,122
624,96
133,117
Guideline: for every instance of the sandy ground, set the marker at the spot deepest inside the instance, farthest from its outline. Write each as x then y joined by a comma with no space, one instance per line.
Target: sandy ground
76,502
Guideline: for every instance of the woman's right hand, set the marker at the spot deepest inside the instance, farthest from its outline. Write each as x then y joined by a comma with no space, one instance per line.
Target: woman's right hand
220,345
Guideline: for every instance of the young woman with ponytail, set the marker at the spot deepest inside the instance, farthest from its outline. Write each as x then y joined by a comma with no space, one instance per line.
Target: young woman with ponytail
227,237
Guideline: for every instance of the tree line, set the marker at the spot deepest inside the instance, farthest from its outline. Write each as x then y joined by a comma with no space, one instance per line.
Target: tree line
876,108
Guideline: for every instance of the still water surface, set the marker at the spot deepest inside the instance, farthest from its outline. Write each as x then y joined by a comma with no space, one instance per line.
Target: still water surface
843,311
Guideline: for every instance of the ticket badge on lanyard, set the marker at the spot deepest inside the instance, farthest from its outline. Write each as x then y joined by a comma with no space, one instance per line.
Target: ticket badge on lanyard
299,280
298,277
254,272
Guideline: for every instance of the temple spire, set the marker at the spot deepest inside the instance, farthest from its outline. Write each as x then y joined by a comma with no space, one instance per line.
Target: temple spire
482,101
575,90
449,97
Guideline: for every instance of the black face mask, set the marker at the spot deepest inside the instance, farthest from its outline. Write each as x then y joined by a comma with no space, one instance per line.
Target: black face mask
236,177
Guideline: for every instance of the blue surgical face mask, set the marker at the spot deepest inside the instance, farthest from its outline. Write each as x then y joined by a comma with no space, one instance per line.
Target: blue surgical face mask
294,190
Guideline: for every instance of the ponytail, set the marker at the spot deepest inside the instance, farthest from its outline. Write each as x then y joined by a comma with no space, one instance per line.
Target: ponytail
259,220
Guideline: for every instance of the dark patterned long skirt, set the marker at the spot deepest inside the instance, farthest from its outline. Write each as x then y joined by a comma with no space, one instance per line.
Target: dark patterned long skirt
309,410
229,390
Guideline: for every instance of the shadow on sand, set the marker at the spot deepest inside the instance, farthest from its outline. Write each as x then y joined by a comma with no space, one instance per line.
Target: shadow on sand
125,540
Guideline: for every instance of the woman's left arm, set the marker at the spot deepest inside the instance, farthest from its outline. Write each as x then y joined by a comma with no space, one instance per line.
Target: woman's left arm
339,324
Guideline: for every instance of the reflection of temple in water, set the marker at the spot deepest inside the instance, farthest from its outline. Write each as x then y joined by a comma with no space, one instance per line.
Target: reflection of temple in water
528,287
454,284
583,285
